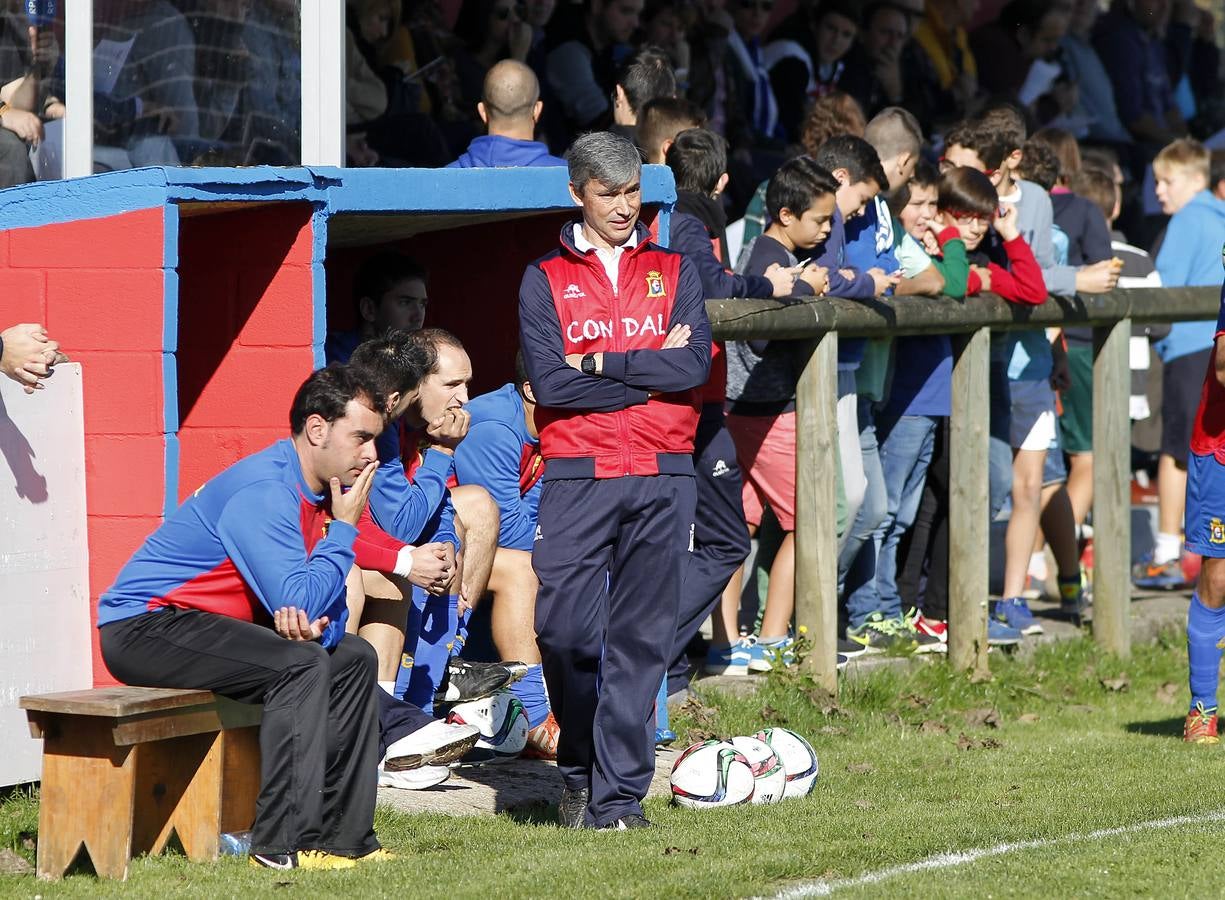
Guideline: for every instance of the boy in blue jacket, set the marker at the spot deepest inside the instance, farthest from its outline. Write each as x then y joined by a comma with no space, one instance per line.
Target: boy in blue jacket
856,167
698,160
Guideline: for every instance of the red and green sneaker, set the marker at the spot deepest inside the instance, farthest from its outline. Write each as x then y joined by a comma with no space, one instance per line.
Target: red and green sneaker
1200,727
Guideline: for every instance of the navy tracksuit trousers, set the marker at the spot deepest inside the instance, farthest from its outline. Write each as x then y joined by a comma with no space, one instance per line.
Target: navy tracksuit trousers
720,536
611,555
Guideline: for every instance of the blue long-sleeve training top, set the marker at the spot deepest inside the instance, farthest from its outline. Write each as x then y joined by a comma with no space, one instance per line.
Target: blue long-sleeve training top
252,540
501,456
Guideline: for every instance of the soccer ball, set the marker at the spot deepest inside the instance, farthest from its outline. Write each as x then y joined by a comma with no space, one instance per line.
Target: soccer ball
502,723
798,758
769,777
711,774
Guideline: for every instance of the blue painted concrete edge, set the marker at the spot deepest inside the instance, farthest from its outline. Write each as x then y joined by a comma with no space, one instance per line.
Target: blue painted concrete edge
338,191
172,475
319,298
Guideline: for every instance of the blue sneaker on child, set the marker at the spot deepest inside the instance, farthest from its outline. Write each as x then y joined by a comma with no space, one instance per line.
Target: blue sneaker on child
733,660
1001,635
771,652
1014,612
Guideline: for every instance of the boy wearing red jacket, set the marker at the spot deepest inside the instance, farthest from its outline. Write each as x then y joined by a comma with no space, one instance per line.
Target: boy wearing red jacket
1002,262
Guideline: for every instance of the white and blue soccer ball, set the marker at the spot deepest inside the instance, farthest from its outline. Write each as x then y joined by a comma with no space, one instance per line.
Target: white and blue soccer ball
797,756
502,722
711,774
769,776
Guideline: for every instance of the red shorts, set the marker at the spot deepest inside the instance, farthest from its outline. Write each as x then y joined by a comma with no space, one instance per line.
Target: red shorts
765,448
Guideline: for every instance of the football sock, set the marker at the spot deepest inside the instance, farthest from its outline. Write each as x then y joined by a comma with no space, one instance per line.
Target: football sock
661,706
1070,588
435,639
530,691
1167,549
1205,629
1037,566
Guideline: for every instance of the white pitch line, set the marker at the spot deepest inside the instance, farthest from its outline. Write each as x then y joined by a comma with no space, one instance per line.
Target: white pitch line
822,888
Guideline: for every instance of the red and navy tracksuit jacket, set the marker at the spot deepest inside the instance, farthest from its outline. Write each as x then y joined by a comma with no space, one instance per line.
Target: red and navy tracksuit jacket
609,426
252,540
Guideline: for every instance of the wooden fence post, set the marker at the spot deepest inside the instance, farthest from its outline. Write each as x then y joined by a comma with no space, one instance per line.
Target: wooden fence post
969,528
816,537
1112,488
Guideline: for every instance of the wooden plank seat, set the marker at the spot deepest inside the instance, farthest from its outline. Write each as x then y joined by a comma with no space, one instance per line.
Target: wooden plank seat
125,767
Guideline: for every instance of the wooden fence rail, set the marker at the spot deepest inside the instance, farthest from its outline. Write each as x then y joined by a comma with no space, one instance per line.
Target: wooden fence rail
820,322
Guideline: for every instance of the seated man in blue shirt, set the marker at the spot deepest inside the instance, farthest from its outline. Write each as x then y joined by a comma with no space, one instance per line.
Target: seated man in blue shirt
501,453
390,295
241,591
411,502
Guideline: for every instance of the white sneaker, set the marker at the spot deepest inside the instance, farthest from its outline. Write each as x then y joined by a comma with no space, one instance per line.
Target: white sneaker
436,744
414,779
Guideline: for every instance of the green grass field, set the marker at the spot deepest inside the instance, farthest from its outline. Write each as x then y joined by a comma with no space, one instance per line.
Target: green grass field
914,763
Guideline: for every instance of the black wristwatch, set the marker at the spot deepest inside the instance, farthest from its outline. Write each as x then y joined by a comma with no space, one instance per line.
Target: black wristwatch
588,364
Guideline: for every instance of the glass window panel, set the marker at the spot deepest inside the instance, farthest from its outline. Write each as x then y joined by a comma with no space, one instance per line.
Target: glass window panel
31,63
196,82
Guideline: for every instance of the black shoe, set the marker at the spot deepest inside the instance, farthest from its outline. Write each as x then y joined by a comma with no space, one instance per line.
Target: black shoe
625,823
466,681
573,807
850,649
273,860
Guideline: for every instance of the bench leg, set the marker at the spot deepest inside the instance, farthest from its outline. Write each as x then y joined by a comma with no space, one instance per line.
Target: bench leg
196,787
177,791
241,773
87,798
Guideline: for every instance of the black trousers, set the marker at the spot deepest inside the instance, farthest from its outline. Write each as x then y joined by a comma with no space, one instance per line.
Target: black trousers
610,557
720,537
319,733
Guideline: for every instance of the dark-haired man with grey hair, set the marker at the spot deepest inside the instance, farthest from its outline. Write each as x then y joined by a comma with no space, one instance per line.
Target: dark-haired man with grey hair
616,341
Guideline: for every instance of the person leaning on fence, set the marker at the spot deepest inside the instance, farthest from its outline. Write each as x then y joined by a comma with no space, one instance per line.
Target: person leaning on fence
1189,255
855,165
914,417
1088,239
1003,263
698,160
761,381
895,137
616,340
1021,362
242,591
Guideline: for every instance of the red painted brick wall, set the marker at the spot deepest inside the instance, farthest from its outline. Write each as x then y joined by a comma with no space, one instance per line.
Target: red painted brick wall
245,327
97,284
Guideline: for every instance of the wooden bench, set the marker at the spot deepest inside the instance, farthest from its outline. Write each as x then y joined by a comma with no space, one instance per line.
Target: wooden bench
124,767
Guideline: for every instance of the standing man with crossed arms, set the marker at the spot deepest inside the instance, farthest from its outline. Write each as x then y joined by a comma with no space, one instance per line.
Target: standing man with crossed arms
616,340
